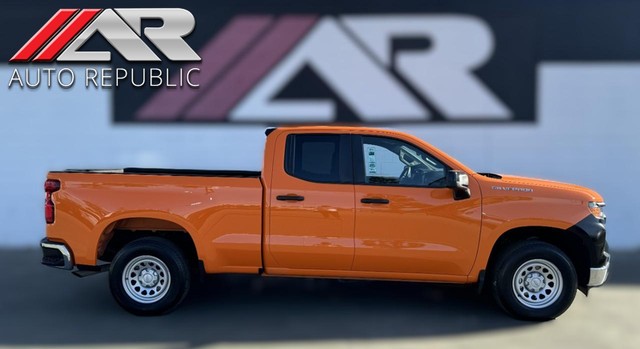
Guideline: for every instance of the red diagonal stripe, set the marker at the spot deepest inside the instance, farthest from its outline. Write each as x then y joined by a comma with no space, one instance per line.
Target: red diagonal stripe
216,103
218,54
56,45
43,35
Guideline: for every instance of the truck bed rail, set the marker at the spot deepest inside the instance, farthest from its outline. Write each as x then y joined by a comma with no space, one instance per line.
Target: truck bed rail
168,172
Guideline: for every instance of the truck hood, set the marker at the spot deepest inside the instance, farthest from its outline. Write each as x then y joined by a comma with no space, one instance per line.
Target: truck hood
527,182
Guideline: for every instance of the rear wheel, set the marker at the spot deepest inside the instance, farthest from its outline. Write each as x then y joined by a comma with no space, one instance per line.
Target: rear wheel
149,276
534,280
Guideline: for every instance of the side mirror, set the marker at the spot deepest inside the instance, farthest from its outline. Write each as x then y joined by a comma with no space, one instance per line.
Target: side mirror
459,182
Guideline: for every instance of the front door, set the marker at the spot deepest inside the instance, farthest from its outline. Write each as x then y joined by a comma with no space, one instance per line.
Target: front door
407,221
311,204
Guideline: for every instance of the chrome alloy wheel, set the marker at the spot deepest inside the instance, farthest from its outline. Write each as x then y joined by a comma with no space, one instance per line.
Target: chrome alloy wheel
146,279
537,283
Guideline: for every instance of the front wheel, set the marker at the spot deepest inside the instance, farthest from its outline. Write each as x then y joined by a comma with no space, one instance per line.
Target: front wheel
149,276
535,281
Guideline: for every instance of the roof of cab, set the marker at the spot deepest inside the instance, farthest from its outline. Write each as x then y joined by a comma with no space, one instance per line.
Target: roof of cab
341,129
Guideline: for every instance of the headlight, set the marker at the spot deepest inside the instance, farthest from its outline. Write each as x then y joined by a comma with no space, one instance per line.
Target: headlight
596,209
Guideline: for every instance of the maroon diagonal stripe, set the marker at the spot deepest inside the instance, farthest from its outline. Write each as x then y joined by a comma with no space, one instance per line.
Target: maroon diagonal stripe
43,35
53,48
218,54
220,99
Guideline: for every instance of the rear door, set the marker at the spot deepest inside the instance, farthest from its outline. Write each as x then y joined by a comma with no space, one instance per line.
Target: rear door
311,203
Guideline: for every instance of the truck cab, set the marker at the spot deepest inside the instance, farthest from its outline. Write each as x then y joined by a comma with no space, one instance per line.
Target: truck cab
368,204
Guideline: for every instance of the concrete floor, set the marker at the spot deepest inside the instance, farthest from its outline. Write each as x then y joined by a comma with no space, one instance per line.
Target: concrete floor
45,308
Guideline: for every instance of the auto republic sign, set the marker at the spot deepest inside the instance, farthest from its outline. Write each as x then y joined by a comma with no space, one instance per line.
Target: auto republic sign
62,36
273,62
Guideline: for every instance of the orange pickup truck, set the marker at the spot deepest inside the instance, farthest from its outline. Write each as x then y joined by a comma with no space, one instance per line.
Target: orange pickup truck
336,202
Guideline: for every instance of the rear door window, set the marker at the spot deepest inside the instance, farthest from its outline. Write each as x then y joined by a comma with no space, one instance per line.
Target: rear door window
324,158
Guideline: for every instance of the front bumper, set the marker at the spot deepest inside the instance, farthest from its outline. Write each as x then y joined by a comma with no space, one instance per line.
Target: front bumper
593,237
598,276
56,255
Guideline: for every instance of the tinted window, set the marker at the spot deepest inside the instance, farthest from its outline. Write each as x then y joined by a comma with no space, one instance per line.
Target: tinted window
318,158
389,161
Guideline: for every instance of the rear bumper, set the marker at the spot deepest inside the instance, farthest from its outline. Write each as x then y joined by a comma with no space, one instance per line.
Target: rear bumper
56,255
598,276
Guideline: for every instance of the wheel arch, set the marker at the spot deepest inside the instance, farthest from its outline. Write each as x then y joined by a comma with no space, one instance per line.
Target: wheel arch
119,231
570,244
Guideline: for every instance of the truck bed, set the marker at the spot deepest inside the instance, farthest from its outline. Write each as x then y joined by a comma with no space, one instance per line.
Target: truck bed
220,210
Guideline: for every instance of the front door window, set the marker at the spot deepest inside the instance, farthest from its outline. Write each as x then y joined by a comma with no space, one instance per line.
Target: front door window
389,161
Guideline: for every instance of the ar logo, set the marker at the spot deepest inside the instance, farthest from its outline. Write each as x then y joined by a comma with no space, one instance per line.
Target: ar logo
253,58
62,36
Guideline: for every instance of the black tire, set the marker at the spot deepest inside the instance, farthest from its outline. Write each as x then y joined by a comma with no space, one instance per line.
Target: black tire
160,282
546,284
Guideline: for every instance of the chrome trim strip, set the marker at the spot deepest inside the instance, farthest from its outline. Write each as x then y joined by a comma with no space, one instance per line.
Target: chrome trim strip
68,262
599,275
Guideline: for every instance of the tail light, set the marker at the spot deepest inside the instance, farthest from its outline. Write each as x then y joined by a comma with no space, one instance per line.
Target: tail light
50,186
